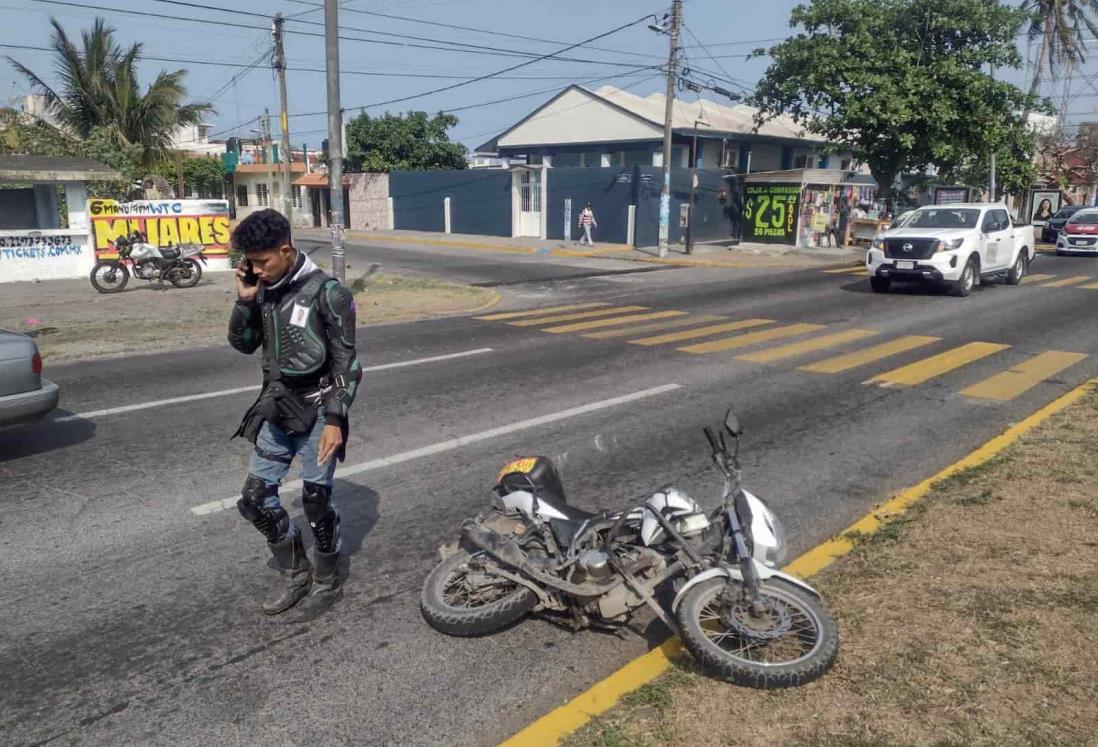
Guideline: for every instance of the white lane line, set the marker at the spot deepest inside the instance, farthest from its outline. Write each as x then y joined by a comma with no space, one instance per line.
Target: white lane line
243,389
453,443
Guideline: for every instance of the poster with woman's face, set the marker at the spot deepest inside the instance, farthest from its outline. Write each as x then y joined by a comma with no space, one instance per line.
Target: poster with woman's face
1045,204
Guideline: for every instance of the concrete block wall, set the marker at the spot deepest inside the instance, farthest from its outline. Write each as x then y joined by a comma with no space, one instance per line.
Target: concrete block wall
368,201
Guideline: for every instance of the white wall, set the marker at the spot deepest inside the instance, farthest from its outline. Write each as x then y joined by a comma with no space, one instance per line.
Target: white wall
45,255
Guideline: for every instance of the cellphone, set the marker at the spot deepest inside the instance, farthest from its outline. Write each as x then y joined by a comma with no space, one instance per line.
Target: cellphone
250,278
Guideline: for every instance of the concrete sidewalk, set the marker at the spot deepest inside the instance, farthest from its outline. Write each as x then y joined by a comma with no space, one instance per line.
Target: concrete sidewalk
744,255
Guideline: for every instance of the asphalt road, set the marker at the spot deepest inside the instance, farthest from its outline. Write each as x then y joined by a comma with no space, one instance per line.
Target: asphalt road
130,618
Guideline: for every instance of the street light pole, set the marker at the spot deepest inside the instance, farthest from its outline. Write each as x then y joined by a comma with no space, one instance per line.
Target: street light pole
991,176
669,110
335,136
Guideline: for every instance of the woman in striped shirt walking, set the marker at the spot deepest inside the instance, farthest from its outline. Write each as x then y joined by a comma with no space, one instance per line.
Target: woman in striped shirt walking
586,221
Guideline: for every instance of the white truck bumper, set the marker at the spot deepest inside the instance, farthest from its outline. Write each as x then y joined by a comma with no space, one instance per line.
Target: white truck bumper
941,267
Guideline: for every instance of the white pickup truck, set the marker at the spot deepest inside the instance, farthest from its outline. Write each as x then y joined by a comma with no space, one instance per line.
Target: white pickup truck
959,245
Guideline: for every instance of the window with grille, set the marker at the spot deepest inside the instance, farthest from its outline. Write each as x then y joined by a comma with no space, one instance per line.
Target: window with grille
242,195
261,196
296,195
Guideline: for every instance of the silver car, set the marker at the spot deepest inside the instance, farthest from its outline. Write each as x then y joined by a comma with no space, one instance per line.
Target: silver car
24,394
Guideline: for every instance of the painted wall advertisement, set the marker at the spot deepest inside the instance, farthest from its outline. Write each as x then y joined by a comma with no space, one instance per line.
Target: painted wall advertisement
164,223
44,254
770,213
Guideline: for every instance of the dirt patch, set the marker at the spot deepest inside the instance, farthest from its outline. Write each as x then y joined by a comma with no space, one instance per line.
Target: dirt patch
70,321
969,621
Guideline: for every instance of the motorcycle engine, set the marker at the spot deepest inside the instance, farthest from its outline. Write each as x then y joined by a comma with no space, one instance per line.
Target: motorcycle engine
145,270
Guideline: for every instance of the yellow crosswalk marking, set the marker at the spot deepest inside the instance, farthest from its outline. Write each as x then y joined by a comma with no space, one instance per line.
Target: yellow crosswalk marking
538,312
780,352
937,365
752,338
578,315
869,355
580,326
1036,278
656,327
692,334
1023,377
1073,280
859,268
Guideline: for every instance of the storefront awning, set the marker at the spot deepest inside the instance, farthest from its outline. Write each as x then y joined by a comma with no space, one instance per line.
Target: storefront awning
317,180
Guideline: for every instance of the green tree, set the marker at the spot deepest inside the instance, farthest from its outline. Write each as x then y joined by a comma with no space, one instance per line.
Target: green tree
901,83
1060,25
412,142
202,175
126,159
99,89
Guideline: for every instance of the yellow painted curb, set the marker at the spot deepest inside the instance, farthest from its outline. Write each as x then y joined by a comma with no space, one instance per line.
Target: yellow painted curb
603,695
496,300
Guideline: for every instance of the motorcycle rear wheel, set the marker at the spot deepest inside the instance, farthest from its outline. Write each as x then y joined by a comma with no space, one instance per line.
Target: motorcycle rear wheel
792,643
190,280
109,277
459,599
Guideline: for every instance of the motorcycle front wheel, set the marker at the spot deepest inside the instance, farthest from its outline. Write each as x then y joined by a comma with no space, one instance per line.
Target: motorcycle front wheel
791,642
187,275
461,598
109,276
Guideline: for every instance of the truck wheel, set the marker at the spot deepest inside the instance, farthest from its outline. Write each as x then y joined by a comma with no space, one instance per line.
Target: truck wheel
880,285
963,287
1018,271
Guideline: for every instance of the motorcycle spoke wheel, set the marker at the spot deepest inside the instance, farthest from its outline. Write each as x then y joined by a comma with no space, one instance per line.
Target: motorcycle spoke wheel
109,277
461,598
468,586
782,634
788,641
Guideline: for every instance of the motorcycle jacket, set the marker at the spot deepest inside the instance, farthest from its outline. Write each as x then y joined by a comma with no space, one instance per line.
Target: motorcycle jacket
305,324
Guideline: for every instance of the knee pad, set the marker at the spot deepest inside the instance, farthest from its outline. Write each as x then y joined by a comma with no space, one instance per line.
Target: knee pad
274,523
322,516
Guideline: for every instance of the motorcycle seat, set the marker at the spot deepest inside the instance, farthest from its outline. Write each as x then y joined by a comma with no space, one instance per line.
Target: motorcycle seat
169,252
565,529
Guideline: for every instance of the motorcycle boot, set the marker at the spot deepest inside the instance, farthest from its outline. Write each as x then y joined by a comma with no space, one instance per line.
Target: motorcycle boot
324,520
283,540
293,564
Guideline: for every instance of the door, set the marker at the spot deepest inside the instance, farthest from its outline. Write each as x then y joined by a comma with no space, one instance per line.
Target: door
998,240
529,203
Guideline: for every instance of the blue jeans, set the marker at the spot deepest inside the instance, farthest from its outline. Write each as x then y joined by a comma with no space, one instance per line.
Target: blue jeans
275,450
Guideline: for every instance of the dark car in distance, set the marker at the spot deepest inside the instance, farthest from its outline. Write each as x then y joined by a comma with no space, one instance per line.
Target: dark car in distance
1057,222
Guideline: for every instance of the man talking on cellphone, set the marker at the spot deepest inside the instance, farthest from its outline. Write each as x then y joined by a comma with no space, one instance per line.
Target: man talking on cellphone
304,321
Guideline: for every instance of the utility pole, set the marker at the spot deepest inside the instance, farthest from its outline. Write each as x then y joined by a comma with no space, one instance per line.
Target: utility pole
669,110
991,174
335,136
287,156
265,125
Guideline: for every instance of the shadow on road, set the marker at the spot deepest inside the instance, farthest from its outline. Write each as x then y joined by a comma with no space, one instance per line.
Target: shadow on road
909,289
43,436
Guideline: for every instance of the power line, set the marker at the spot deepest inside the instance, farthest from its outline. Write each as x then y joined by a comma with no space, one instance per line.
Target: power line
486,76
454,46
299,69
317,6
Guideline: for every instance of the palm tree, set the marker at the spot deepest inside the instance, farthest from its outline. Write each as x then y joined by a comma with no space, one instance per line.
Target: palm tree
1060,25
100,90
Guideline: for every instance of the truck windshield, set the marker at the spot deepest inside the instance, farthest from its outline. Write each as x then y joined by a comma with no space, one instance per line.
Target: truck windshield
944,218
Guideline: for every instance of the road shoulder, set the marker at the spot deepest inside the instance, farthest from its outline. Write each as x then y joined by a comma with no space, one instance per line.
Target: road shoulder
71,322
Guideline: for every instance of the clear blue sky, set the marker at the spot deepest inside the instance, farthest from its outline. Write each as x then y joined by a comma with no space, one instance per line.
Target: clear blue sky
729,28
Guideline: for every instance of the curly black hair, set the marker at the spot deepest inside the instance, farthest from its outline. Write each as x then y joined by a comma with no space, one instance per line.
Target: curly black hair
261,231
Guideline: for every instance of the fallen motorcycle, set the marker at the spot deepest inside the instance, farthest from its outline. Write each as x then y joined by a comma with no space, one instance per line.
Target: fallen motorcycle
178,265
736,612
